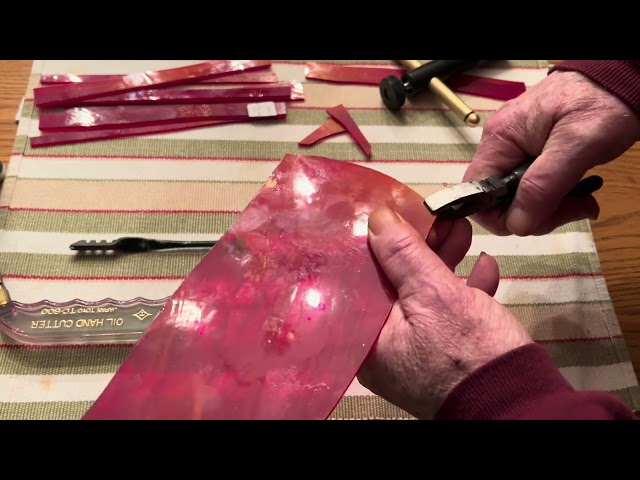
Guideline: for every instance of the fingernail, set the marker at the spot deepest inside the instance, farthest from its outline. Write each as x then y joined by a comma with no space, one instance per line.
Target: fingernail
519,222
381,219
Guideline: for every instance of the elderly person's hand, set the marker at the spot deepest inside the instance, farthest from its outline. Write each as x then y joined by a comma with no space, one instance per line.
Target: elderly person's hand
442,328
569,124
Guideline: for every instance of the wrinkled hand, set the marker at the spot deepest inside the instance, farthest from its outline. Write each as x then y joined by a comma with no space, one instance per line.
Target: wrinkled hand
440,329
569,125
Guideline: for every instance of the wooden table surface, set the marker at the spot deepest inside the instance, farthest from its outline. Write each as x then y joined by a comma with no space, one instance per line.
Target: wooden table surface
617,231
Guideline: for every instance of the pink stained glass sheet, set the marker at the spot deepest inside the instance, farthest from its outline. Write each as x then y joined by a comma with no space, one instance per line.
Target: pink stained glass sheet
276,320
66,94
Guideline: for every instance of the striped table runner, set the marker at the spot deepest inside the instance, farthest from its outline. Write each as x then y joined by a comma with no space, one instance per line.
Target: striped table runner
193,184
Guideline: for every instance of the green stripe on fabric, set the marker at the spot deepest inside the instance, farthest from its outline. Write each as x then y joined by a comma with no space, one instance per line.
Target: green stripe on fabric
100,360
29,110
179,264
20,144
158,264
43,410
581,226
367,407
353,407
536,266
4,215
62,361
86,223
588,354
406,118
630,395
556,305
144,147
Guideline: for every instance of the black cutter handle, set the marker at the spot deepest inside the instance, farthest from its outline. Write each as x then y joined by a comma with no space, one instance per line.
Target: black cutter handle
419,78
510,183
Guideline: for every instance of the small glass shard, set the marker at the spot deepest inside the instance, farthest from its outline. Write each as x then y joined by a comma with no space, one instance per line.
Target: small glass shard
326,130
341,115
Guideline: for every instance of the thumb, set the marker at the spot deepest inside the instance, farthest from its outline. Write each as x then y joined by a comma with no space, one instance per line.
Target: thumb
403,255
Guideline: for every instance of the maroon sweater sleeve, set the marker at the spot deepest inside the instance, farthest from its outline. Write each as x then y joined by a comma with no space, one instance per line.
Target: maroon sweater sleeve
525,384
620,77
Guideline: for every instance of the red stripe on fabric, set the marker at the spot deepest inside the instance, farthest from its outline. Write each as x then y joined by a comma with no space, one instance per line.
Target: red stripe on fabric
65,278
63,210
121,345
231,159
62,278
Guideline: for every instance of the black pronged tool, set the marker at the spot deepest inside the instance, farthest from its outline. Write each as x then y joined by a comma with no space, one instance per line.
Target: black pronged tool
136,245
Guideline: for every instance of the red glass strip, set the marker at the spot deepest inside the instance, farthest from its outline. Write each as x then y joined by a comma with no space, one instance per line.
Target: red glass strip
284,92
85,118
461,83
341,115
486,87
326,130
278,317
67,94
52,139
237,78
249,77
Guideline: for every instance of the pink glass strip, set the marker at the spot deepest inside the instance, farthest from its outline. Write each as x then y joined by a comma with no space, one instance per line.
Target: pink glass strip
284,92
249,77
349,74
85,118
341,115
237,78
49,140
278,317
67,94
326,130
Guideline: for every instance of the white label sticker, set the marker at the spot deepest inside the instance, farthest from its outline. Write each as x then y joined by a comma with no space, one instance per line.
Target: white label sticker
262,109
